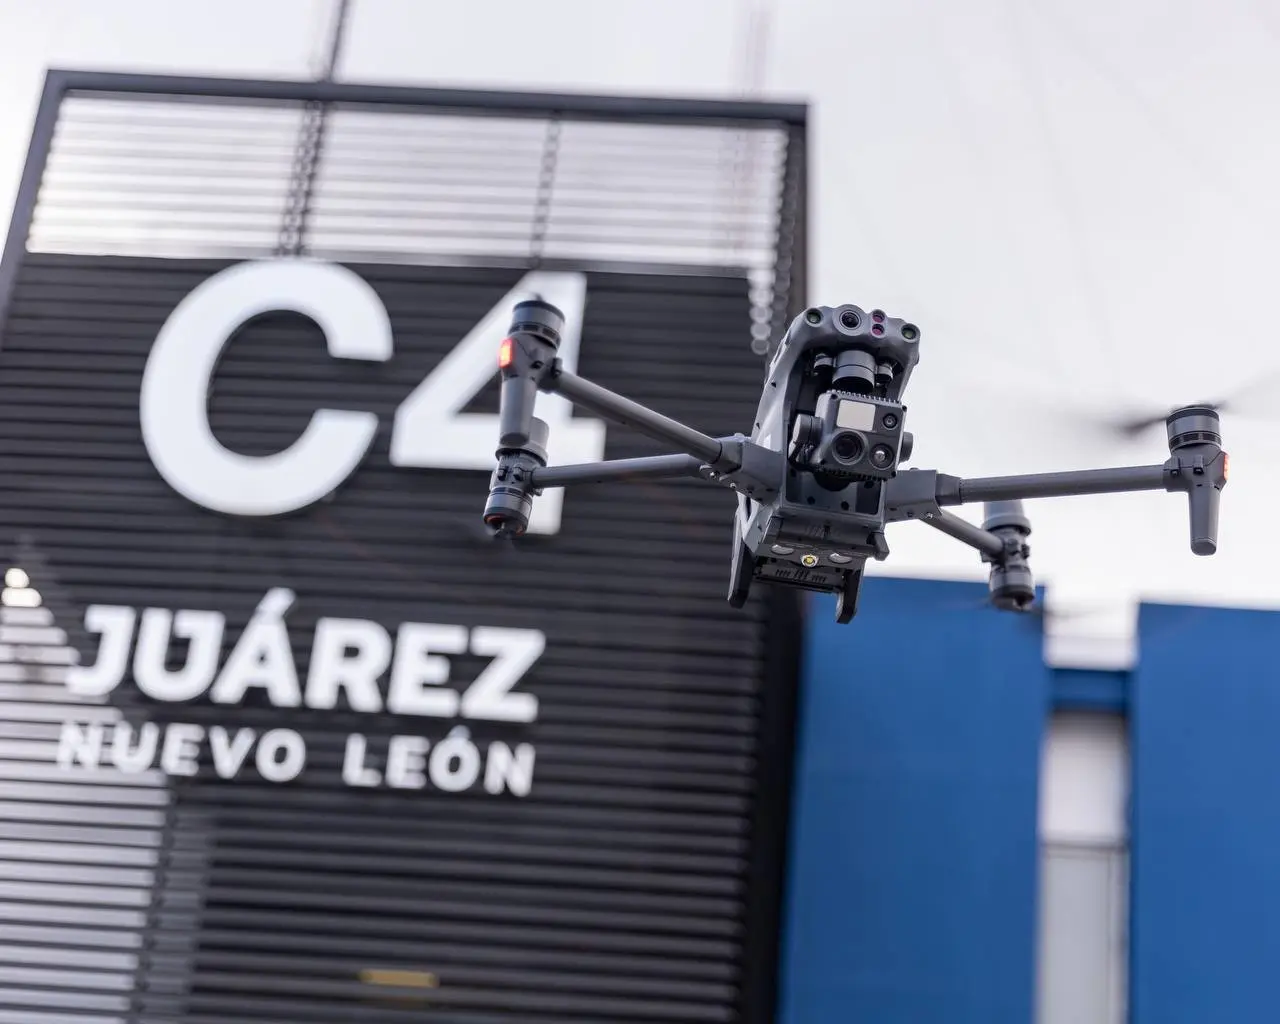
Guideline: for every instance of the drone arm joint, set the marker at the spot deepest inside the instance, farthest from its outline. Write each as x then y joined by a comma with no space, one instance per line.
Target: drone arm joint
992,548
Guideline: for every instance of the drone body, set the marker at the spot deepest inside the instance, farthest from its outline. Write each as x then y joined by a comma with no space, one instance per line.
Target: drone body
819,478
832,406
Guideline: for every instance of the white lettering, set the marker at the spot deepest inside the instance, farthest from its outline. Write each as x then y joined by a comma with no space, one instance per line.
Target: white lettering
348,654
132,760
455,762
406,757
262,657
180,368
512,771
202,630
229,754
281,755
79,744
430,432
513,652
418,675
354,770
115,624
178,755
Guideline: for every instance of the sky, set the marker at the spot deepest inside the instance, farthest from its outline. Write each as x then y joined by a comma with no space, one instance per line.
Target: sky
1074,200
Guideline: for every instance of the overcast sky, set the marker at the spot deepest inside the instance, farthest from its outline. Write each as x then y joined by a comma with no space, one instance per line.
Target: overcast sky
1075,199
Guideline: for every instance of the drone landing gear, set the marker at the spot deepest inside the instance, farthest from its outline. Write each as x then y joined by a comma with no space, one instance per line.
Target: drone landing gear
847,597
741,570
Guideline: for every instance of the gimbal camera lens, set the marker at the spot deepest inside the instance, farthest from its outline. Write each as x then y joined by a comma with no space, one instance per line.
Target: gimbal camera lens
847,448
881,456
855,371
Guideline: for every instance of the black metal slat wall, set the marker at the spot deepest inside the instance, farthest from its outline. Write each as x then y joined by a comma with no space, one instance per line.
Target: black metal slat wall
628,885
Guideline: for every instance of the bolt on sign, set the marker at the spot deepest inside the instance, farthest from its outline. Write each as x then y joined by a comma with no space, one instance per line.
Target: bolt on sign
284,736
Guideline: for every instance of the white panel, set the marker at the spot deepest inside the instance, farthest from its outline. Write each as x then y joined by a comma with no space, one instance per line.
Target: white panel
1083,949
1084,780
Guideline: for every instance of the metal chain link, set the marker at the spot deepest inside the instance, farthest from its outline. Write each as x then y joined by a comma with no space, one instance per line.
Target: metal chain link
302,175
306,158
546,185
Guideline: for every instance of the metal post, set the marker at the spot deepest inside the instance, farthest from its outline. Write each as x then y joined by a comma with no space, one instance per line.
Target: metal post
24,204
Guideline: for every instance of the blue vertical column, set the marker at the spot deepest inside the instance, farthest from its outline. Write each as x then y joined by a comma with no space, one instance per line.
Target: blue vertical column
912,871
1205,878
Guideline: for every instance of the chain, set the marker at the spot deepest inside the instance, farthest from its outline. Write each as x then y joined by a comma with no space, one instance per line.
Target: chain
546,184
307,153
302,177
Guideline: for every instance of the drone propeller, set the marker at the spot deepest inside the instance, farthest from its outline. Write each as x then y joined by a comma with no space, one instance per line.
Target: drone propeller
1098,423
1038,610
1240,402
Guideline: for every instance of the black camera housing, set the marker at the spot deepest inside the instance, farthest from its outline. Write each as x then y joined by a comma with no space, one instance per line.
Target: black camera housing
850,437
832,399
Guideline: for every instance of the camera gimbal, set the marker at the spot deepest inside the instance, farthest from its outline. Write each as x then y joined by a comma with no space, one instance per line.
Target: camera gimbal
819,477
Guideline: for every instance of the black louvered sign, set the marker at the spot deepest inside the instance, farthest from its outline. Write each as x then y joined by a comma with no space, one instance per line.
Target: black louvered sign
284,737
354,761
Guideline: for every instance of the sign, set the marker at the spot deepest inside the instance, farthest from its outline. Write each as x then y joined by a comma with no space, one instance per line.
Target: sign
249,497
431,430
348,657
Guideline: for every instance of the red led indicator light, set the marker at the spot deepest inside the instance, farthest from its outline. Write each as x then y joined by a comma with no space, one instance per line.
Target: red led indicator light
505,353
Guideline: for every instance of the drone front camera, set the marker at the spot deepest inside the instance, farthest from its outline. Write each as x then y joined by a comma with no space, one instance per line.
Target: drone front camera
820,476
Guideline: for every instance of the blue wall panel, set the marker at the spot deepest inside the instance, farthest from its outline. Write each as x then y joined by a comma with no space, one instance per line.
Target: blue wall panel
912,873
1205,725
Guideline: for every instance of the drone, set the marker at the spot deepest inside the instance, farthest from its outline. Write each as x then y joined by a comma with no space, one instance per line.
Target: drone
821,474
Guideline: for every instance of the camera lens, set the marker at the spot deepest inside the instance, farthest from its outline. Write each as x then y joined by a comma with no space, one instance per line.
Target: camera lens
855,371
847,448
849,319
881,456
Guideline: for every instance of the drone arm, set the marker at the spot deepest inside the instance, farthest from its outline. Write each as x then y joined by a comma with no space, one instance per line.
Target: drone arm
953,526
955,491
528,364
735,462
623,411
657,467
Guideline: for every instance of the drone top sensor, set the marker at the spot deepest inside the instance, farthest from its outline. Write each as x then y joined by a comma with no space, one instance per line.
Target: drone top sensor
821,476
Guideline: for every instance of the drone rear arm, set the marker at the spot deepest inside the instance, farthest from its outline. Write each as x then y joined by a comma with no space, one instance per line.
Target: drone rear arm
626,413
653,467
528,363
